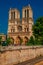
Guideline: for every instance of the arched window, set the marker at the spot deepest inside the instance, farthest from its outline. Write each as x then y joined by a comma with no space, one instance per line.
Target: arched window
12,30
11,15
26,29
19,28
25,13
14,15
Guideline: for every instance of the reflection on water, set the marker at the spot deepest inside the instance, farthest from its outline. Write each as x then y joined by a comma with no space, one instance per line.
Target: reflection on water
39,63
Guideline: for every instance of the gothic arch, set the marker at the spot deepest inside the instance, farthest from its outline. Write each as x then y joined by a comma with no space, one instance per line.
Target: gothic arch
25,40
18,40
19,28
12,40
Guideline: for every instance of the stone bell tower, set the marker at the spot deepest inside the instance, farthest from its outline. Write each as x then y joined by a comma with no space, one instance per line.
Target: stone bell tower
27,19
14,18
20,29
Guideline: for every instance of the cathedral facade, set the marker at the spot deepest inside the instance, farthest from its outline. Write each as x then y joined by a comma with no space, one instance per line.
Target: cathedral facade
20,30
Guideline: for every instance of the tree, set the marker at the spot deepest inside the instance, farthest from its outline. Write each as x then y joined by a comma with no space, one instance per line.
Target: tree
38,30
8,41
31,41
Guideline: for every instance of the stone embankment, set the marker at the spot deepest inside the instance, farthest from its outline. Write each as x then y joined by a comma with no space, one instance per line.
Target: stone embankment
12,55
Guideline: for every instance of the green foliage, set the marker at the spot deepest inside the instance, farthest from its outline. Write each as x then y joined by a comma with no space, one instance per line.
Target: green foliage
35,41
31,41
8,41
38,27
38,31
4,44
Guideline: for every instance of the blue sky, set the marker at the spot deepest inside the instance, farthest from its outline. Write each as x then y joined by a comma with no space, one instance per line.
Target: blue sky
5,5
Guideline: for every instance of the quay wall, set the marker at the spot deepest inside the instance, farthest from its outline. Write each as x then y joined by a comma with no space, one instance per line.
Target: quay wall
11,55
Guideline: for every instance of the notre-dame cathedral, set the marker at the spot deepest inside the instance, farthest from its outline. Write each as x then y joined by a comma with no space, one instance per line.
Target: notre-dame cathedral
20,29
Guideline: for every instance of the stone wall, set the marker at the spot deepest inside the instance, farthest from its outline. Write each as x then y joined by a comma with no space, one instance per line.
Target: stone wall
15,54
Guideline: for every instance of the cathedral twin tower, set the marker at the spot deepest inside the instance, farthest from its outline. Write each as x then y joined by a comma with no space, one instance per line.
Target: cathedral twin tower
20,29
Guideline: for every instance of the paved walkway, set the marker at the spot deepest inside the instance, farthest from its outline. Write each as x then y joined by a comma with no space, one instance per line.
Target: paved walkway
32,61
39,63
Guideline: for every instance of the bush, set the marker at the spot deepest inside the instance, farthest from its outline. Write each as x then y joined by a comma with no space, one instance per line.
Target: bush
38,31
4,44
34,41
31,41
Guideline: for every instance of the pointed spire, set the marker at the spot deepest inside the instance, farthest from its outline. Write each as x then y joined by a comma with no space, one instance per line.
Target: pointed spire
10,8
29,5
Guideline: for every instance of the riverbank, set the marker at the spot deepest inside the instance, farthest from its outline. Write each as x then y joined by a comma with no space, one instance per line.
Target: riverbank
18,54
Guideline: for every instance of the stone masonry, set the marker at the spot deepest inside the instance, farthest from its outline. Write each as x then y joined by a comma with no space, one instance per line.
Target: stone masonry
20,28
13,55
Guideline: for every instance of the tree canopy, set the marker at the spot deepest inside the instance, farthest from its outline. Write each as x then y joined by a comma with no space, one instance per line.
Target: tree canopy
37,32
38,27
